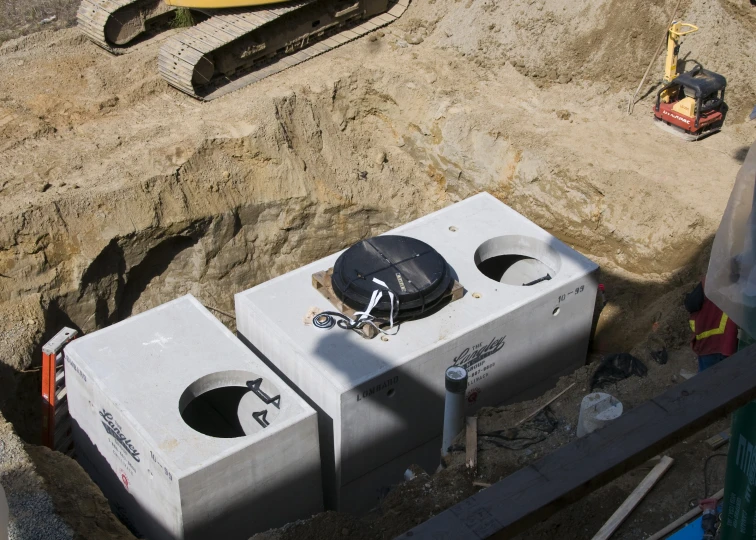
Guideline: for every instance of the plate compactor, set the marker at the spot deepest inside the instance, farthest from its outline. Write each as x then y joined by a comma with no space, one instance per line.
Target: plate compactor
690,104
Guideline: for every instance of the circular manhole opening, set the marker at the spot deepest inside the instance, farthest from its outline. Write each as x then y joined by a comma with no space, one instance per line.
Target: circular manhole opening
517,260
230,404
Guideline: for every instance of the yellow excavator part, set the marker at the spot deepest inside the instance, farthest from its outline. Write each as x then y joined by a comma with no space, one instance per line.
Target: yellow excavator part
218,4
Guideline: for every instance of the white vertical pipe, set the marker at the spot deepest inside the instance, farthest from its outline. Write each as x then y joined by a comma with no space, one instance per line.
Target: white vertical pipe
454,406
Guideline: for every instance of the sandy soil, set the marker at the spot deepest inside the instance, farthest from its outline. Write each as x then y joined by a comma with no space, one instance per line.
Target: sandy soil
23,17
118,193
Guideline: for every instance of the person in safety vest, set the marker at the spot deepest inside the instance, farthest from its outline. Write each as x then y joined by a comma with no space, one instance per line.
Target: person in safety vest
715,336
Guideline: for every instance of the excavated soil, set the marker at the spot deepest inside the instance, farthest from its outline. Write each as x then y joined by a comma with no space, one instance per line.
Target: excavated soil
118,193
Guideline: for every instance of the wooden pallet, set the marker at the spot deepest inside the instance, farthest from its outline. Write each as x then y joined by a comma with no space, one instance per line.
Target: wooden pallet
322,283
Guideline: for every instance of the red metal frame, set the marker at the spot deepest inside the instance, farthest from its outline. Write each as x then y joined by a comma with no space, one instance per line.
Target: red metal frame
53,383
684,122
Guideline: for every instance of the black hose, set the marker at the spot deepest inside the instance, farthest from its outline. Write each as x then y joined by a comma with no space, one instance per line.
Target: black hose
706,476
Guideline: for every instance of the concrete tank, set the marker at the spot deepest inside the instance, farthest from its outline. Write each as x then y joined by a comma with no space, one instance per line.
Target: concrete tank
381,400
186,431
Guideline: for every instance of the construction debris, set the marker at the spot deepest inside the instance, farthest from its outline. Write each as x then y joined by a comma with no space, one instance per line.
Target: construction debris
676,524
635,497
549,402
596,411
616,367
718,440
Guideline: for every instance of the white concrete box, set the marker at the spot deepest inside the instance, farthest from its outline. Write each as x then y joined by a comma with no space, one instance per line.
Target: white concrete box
380,400
186,431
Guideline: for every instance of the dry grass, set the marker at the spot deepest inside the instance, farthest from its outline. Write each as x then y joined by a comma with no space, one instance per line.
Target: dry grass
21,17
183,18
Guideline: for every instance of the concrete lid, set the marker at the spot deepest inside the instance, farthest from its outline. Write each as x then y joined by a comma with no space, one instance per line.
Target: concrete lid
146,362
457,232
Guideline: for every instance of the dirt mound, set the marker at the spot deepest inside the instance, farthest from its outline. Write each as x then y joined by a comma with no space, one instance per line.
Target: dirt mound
608,41
78,502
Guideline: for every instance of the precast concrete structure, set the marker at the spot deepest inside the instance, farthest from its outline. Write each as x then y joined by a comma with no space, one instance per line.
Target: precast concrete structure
186,431
525,320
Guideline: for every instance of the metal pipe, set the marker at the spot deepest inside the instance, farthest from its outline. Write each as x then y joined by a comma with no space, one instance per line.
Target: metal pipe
454,406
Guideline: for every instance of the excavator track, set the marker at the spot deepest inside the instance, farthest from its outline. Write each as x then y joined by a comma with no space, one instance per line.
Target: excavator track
238,47
112,24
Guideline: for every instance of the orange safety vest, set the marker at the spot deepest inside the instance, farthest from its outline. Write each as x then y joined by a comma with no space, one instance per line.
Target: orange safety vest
713,331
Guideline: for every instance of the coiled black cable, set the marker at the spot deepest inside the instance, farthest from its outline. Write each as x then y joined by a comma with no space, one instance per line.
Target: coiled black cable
329,319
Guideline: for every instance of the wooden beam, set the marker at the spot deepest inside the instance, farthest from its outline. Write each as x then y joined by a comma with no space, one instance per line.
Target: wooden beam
635,497
537,491
679,522
471,443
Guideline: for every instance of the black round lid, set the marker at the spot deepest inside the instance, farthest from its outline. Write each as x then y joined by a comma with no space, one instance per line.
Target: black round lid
415,272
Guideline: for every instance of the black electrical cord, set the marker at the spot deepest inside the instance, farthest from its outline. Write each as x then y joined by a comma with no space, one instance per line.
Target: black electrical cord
694,502
706,475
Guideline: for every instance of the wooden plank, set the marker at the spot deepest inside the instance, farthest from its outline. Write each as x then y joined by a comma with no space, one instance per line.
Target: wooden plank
679,522
534,493
635,497
542,407
471,443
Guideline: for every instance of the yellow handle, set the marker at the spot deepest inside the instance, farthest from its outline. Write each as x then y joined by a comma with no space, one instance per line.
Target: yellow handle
682,29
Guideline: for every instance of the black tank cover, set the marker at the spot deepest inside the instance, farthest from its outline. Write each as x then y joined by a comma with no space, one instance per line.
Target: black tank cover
415,272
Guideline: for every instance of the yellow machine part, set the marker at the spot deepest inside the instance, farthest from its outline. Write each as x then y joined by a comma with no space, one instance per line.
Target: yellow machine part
674,37
676,32
217,4
686,106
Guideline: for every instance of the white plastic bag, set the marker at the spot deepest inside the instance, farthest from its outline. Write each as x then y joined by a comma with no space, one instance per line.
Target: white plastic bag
731,277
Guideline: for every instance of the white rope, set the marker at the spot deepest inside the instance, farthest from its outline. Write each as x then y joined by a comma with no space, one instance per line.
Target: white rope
374,299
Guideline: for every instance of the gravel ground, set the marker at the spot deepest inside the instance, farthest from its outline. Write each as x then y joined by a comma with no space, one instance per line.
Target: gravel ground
22,17
32,516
